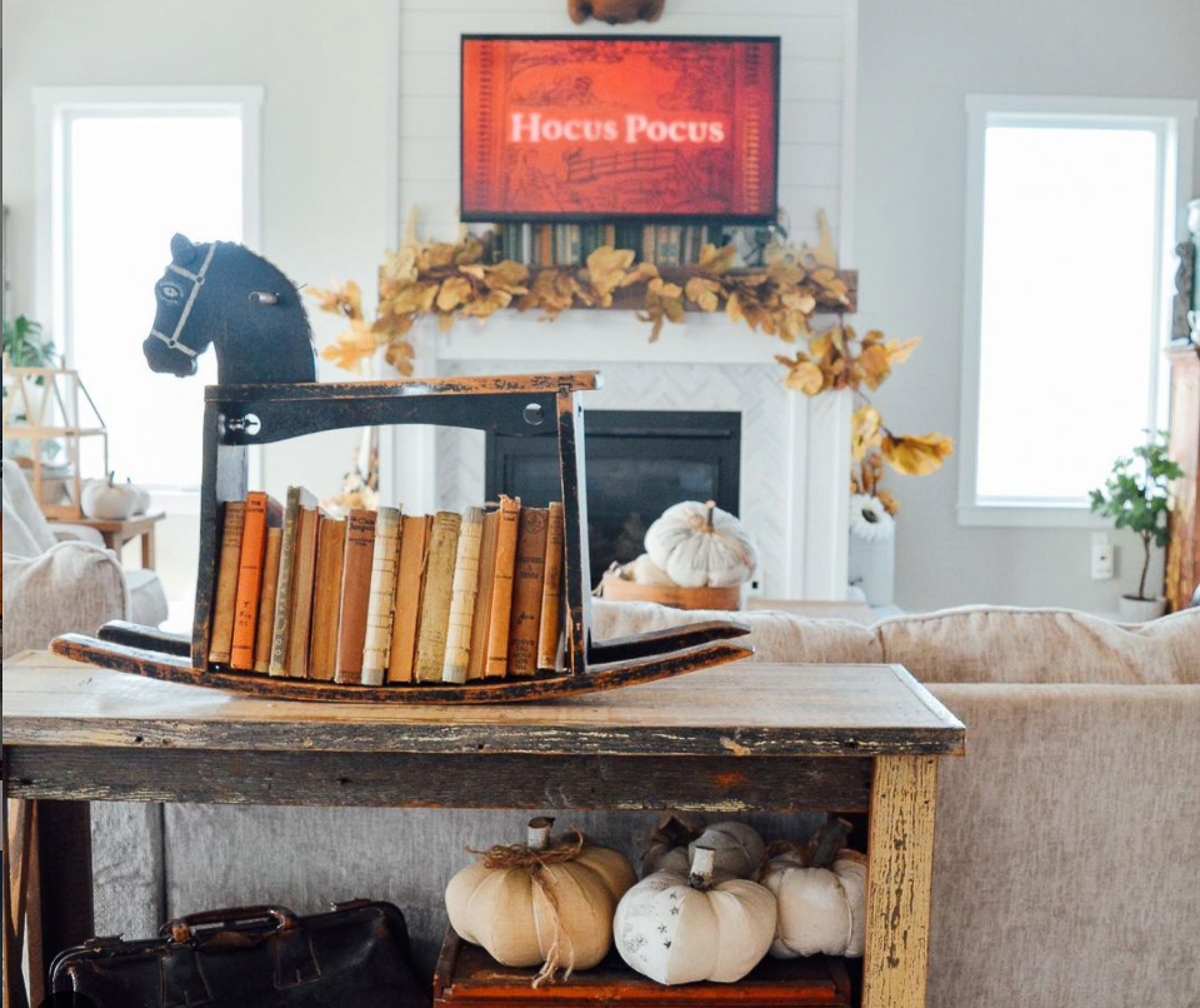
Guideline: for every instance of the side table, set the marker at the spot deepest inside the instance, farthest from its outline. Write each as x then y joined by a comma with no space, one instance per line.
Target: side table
117,533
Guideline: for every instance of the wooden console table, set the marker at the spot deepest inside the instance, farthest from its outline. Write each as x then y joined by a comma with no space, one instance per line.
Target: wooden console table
116,533
738,738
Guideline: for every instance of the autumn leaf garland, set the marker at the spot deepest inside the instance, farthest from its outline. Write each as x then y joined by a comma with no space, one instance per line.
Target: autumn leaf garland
450,281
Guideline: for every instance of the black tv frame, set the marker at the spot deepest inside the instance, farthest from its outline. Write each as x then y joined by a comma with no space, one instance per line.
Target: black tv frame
663,218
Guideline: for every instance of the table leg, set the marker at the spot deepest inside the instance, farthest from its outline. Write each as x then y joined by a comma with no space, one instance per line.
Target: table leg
148,549
899,875
63,914
18,835
111,542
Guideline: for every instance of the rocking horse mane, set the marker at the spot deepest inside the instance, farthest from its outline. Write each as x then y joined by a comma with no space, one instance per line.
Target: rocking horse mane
228,295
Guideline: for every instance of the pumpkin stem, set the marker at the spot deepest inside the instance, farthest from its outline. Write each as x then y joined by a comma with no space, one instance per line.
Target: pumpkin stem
112,477
703,863
822,847
538,835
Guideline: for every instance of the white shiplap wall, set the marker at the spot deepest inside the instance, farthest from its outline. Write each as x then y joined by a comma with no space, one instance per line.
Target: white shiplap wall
818,39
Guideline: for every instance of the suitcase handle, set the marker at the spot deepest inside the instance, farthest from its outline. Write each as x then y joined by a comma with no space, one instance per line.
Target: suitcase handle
180,929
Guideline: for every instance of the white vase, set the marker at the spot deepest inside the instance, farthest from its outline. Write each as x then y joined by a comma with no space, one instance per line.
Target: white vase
1135,610
872,566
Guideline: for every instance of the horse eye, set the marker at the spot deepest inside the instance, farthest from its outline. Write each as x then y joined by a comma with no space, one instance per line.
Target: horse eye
170,291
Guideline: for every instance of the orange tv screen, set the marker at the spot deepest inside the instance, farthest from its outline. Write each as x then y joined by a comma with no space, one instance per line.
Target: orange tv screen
583,128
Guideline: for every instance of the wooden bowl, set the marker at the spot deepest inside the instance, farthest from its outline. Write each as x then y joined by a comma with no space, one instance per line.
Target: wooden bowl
614,588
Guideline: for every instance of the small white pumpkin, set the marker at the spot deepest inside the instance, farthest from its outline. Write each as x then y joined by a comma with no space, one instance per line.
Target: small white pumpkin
700,546
679,928
107,501
738,848
541,904
141,497
821,891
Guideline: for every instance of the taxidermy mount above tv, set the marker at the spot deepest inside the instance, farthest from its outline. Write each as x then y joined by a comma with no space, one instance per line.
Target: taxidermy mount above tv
647,127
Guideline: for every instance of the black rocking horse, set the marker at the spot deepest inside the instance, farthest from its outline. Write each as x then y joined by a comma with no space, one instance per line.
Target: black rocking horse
225,295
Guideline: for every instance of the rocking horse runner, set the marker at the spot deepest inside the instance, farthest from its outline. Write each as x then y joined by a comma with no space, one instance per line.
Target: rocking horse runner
225,295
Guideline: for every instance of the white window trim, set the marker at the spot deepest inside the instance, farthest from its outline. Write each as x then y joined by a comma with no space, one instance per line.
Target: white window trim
1173,121
54,107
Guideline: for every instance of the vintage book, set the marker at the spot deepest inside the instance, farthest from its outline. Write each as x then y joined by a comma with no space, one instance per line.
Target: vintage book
548,626
327,598
261,512
502,587
281,625
266,600
463,593
477,660
304,578
381,597
435,599
528,575
406,612
220,634
356,592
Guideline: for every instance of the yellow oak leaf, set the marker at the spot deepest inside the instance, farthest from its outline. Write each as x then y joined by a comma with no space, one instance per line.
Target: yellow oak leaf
874,365
414,298
865,429
507,276
805,376
453,292
715,260
340,299
352,347
399,354
916,456
606,268
703,292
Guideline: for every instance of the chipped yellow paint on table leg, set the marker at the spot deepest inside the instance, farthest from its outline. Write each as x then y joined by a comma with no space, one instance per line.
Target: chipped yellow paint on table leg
899,873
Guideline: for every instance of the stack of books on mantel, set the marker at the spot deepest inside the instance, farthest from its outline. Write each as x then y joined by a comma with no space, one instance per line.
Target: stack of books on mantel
382,597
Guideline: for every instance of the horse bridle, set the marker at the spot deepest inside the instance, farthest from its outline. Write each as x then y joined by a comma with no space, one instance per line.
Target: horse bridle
197,280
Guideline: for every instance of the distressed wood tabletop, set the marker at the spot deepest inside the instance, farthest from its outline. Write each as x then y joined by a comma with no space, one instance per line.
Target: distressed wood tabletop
744,709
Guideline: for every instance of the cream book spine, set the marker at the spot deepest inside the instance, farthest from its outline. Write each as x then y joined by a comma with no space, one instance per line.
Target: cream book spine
463,593
381,601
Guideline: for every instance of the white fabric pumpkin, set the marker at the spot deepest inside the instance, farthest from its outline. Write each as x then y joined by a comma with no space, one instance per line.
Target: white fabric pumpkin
680,928
508,911
700,546
822,906
738,849
108,501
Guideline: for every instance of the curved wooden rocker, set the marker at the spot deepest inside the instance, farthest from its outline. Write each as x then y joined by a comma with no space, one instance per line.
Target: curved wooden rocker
225,295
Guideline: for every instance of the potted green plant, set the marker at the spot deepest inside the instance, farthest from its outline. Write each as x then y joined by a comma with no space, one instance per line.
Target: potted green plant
26,346
1137,496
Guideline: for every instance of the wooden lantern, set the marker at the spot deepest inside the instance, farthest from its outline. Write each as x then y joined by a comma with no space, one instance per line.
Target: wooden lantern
42,408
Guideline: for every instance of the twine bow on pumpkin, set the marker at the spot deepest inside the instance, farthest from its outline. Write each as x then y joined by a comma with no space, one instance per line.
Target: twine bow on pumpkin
539,861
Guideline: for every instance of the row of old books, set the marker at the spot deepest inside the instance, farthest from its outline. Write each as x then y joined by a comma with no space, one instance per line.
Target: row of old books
384,597
571,244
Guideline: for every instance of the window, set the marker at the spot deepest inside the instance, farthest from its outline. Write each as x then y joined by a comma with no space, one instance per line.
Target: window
1071,222
126,169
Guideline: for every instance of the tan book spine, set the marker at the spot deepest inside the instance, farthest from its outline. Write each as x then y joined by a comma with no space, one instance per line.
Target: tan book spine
281,625
303,582
249,582
356,590
435,602
463,593
220,635
406,612
548,628
477,660
327,598
266,601
502,587
528,575
382,597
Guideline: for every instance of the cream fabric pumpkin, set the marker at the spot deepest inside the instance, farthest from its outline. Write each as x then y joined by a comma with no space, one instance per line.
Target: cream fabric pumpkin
821,897
680,928
700,546
503,902
738,849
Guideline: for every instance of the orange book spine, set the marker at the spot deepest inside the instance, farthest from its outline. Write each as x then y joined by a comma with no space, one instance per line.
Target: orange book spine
266,603
502,588
529,574
327,598
410,585
483,602
547,646
356,594
220,635
249,584
303,581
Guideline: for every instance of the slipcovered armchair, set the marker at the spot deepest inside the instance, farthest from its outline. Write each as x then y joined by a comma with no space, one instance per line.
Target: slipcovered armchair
53,587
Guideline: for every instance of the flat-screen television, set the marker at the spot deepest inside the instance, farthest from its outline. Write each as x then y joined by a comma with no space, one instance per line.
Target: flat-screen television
643,127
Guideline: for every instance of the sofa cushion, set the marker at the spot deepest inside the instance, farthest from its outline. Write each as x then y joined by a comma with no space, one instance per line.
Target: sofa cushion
19,500
997,644
776,636
147,600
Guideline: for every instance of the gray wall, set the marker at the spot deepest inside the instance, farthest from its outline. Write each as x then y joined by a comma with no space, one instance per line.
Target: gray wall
916,61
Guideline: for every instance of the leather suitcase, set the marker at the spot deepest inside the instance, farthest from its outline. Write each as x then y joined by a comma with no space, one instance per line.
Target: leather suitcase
357,954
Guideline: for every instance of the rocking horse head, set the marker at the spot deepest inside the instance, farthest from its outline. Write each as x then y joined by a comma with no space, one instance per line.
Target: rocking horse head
226,295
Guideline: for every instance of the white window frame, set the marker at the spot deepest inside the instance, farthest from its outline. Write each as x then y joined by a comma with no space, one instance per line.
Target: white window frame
55,108
1172,121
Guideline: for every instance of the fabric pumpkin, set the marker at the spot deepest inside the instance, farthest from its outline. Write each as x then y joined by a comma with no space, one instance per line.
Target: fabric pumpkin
700,546
679,928
541,903
738,848
108,501
821,891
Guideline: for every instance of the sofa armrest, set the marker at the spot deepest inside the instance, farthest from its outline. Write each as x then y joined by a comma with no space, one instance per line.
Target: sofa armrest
1067,843
66,532
72,587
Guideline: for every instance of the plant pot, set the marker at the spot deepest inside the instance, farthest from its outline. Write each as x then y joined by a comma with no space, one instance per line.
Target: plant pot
1136,610
871,565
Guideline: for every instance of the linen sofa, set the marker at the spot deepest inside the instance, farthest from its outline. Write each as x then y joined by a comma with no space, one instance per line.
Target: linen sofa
1067,844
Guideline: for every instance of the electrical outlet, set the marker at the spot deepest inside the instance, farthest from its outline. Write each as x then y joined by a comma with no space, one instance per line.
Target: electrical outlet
1102,557
755,588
